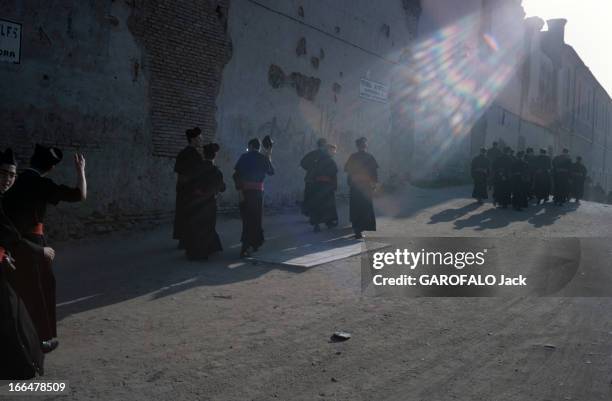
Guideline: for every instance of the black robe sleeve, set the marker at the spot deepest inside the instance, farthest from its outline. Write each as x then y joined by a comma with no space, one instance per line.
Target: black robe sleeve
55,193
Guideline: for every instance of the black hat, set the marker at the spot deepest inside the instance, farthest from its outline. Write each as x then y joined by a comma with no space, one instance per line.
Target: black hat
210,150
46,157
543,151
321,142
267,142
254,143
361,141
8,157
193,132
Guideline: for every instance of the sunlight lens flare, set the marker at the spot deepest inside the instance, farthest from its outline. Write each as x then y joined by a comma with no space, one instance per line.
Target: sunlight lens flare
458,72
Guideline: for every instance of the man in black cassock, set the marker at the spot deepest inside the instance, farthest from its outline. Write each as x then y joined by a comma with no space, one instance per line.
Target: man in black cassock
249,174
502,186
362,171
520,181
480,169
562,165
541,177
308,163
492,154
323,190
579,174
530,159
20,347
26,205
185,167
201,237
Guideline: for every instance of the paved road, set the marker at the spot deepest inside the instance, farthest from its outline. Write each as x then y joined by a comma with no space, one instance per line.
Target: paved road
139,322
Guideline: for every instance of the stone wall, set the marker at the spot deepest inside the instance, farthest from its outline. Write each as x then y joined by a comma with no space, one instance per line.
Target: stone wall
295,74
122,80
119,81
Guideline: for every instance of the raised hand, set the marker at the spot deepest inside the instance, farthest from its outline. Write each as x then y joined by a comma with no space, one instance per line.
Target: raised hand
79,162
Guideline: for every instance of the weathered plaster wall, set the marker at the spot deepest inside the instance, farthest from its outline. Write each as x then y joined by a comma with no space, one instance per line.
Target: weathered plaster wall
295,73
122,80
119,81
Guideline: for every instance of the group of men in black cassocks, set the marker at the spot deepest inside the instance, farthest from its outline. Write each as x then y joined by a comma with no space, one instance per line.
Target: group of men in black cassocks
27,283
321,183
516,179
200,181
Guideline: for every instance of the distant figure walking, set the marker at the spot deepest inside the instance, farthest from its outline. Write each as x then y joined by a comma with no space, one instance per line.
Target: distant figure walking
187,163
250,172
541,177
502,189
579,174
362,170
481,167
562,165
308,163
492,154
530,159
520,180
323,190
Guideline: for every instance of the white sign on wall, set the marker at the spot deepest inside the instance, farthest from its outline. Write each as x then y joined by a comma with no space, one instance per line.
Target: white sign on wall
372,90
10,41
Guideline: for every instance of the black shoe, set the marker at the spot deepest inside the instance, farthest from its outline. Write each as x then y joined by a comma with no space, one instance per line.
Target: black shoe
244,253
49,345
358,236
332,224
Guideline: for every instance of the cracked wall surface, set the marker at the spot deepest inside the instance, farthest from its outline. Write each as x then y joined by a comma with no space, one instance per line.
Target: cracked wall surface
295,74
119,81
122,80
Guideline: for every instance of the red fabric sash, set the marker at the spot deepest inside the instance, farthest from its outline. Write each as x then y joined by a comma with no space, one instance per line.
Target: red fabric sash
361,177
38,229
2,254
257,186
324,178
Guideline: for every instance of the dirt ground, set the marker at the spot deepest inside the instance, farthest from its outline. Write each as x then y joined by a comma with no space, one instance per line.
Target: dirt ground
139,322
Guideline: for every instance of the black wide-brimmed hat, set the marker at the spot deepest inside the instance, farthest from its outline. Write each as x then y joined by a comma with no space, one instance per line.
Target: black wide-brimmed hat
210,150
47,155
8,157
193,132
267,142
361,141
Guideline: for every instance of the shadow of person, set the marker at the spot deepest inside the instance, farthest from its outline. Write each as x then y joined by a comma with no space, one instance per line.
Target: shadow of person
449,215
492,219
551,214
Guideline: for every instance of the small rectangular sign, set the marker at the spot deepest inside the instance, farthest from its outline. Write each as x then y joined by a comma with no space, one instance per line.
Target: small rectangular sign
10,41
374,91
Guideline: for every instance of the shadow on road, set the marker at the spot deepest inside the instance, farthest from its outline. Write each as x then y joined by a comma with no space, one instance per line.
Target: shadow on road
492,218
449,215
114,270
